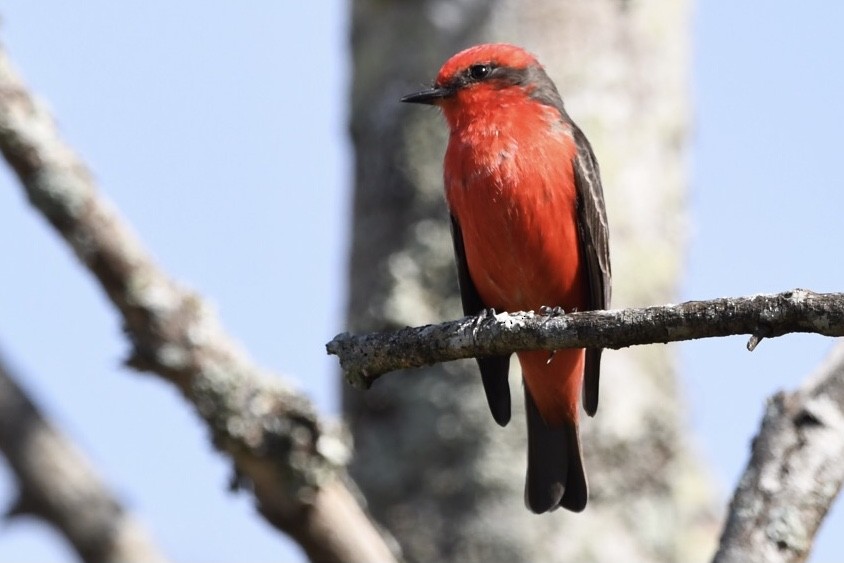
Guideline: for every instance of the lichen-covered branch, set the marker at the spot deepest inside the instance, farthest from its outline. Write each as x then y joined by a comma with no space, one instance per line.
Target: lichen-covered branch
278,444
57,484
794,473
366,357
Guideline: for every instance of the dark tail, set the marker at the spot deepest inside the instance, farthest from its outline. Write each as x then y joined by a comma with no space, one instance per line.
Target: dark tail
555,474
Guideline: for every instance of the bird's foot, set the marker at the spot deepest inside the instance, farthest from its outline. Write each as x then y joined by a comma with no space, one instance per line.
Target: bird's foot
551,311
483,315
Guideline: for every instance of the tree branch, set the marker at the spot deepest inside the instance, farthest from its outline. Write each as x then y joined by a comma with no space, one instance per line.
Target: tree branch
794,473
273,435
58,485
366,357
797,465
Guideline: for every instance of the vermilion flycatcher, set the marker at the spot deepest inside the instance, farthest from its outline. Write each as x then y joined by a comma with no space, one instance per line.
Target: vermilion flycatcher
530,232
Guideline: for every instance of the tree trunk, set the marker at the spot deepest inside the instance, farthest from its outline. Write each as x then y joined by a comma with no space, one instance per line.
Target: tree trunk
435,468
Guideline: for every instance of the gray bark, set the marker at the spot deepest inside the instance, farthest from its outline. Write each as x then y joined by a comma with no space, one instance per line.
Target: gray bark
437,471
292,462
794,474
366,357
57,484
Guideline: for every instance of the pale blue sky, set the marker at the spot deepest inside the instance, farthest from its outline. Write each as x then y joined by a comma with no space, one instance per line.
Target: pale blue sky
220,133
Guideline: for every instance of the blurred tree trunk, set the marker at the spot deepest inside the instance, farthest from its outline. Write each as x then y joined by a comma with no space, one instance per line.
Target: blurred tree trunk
435,468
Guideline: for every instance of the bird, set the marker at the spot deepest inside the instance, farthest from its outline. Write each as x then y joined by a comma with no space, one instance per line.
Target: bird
530,233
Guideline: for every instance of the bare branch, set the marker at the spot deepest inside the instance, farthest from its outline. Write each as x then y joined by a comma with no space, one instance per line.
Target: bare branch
794,473
277,442
366,357
58,485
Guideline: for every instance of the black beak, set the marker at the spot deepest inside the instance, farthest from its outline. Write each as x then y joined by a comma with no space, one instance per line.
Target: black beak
430,96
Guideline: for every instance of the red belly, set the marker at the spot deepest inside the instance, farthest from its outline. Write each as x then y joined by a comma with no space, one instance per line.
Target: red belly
519,227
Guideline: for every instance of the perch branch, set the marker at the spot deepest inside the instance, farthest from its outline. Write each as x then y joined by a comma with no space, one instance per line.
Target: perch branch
366,357
795,472
294,465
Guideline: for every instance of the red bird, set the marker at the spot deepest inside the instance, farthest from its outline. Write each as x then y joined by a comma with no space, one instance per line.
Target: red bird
530,232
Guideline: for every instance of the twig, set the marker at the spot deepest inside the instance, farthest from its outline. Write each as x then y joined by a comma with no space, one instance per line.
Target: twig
794,473
366,357
278,444
57,484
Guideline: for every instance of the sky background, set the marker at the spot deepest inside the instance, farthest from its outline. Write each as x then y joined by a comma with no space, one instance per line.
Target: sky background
219,131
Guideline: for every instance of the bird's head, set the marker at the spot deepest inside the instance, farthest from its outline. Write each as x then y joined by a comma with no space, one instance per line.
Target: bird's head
486,77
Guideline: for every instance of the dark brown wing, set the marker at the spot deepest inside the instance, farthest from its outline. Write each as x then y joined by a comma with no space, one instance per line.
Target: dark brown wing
494,369
594,245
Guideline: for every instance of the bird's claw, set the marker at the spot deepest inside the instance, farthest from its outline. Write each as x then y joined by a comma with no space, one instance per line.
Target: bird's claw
483,315
551,311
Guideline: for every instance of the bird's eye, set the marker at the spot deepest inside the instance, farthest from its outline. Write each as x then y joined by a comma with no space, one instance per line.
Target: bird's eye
479,72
